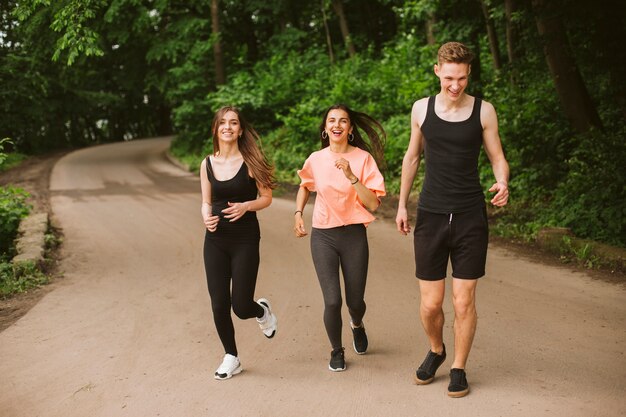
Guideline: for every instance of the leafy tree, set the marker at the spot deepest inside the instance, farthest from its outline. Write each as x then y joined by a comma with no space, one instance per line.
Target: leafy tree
570,87
77,73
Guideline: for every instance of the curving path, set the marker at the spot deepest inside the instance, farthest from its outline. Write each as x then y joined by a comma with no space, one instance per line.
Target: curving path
128,331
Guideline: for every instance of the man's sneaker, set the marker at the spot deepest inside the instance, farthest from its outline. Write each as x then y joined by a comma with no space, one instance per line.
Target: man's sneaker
360,339
458,383
426,372
230,366
337,360
268,323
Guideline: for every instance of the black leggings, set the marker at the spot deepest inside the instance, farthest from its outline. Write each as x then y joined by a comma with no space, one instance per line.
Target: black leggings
237,261
344,247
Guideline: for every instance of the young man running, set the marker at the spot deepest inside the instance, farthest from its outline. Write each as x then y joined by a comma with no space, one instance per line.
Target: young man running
451,222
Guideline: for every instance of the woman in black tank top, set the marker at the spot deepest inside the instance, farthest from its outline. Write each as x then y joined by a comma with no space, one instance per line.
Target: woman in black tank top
238,189
236,181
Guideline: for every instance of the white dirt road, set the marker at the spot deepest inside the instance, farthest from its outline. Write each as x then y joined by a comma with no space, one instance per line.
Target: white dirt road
128,330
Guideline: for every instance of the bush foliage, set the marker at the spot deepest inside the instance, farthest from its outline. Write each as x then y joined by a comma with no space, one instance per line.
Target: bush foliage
558,175
79,73
13,207
19,277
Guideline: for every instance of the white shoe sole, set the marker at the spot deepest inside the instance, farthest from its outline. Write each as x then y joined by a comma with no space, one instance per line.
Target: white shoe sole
269,308
221,377
356,351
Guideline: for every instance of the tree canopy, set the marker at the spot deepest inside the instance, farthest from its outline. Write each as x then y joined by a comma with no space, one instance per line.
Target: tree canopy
82,72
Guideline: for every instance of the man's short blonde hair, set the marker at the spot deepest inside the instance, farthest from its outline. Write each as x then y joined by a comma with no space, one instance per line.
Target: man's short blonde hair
454,52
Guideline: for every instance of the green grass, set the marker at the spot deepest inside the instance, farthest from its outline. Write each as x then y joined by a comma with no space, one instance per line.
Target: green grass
19,277
12,160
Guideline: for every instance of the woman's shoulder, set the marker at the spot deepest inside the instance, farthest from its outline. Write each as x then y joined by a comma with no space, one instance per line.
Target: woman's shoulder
360,153
316,155
208,158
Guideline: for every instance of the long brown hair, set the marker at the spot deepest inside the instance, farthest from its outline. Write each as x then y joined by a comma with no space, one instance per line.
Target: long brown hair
370,126
253,156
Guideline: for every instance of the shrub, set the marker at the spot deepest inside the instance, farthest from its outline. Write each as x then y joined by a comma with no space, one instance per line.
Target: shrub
398,129
13,208
587,200
3,155
19,277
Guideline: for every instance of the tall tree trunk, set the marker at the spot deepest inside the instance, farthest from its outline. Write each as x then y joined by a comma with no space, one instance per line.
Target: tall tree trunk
164,126
512,38
512,30
343,25
430,30
331,55
252,53
293,12
491,35
220,74
570,87
608,43
476,73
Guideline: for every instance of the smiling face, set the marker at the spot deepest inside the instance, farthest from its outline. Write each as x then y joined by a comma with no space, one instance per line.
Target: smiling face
229,127
453,78
338,126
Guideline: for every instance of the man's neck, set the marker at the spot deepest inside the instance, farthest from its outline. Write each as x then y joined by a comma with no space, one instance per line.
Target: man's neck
453,105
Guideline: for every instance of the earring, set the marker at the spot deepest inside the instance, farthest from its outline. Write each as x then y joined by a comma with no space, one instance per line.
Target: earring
351,137
324,134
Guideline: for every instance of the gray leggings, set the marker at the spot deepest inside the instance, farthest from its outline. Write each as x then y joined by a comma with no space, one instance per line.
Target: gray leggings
344,246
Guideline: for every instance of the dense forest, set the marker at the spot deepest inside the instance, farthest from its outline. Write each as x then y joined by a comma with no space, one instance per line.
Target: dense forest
80,72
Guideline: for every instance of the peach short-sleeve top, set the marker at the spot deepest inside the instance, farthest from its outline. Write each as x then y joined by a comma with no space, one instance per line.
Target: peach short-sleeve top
337,203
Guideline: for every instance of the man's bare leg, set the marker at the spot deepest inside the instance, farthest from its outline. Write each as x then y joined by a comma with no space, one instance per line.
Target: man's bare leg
465,319
431,312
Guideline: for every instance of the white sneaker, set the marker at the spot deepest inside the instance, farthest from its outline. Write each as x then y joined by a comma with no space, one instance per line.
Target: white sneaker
230,366
268,323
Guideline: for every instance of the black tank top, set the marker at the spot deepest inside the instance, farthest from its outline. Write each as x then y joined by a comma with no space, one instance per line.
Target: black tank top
238,189
451,150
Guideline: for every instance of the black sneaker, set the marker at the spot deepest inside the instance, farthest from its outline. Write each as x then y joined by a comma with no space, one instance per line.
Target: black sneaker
337,360
360,339
458,383
426,372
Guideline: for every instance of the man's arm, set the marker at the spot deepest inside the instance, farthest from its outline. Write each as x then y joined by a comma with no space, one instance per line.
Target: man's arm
493,148
410,164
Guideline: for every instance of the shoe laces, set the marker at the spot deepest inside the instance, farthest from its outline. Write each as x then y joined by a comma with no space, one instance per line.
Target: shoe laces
337,353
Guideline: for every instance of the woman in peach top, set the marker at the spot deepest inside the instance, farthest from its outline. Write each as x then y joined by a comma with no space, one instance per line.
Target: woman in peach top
348,183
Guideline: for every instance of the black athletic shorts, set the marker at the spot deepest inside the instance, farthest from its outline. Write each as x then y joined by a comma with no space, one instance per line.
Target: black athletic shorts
462,237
